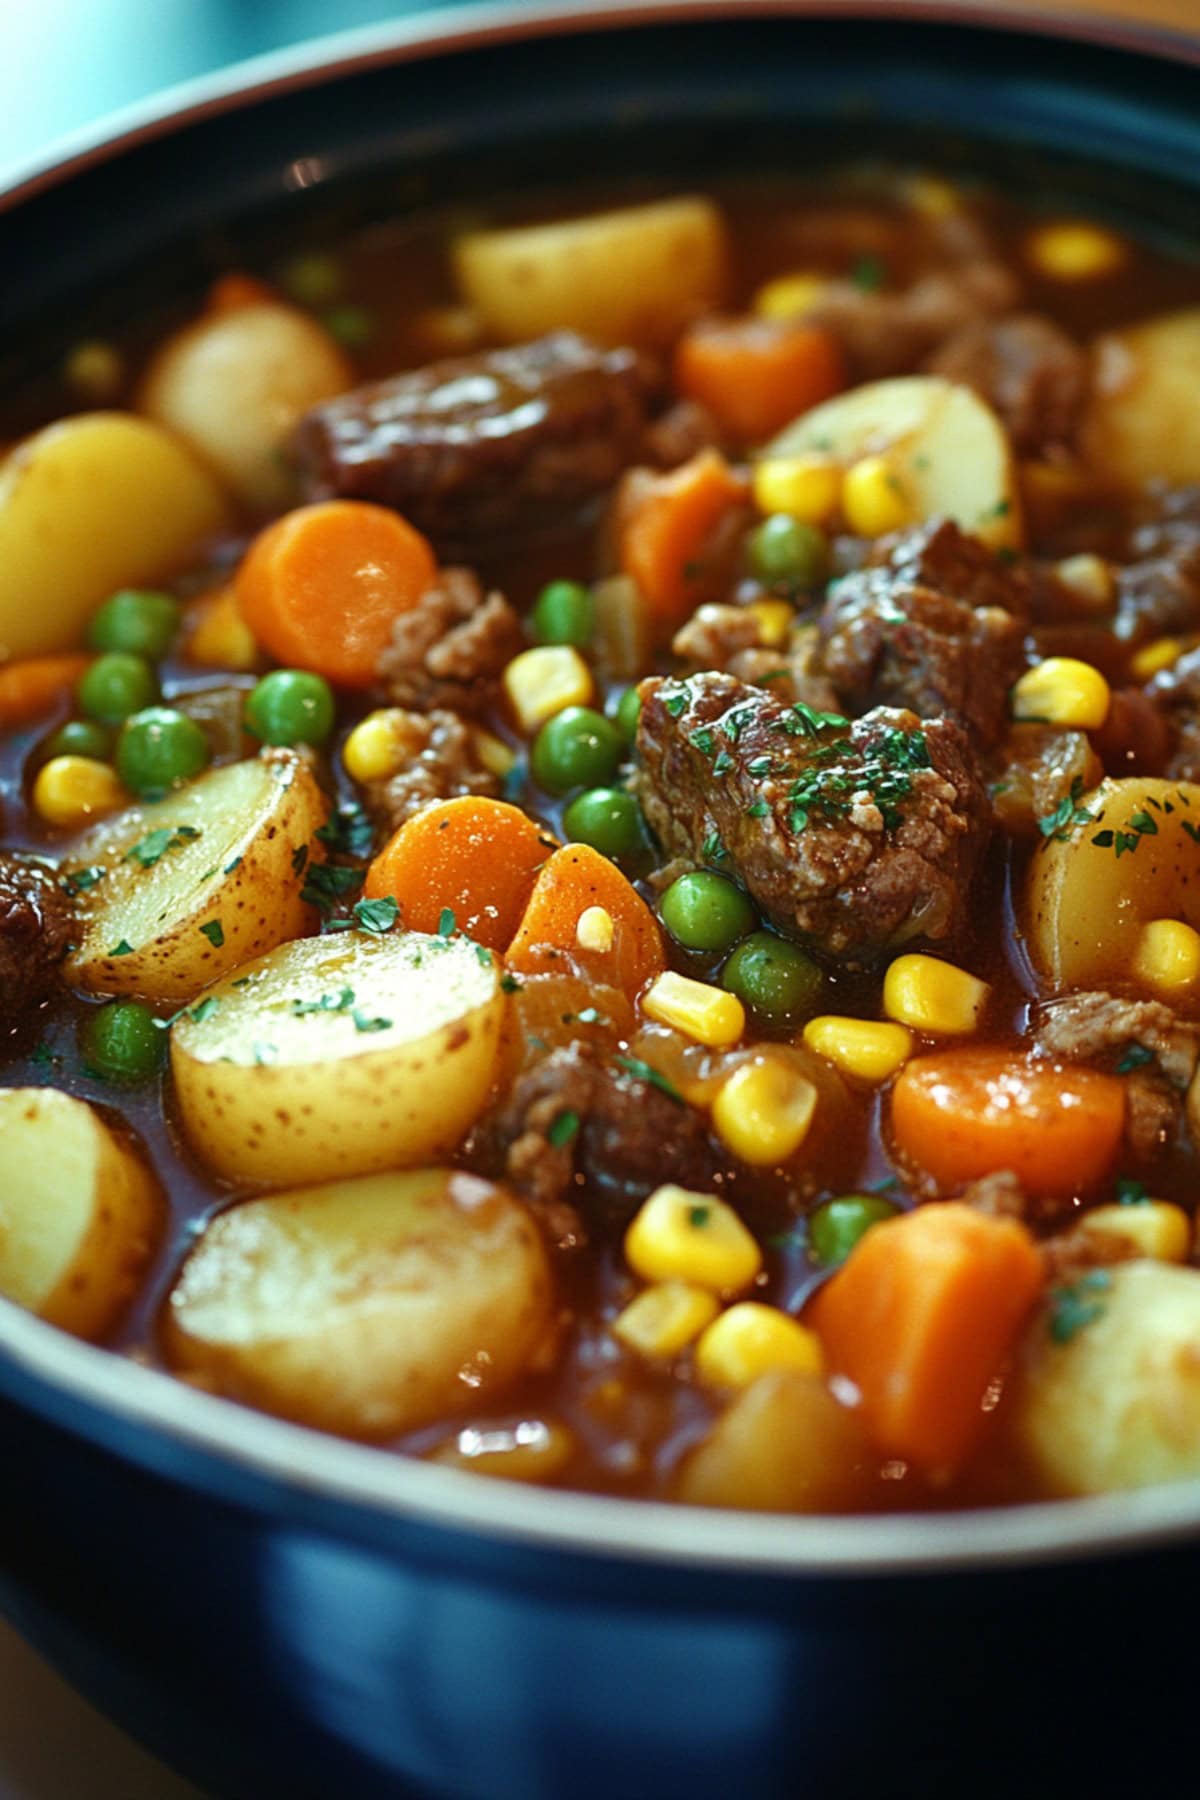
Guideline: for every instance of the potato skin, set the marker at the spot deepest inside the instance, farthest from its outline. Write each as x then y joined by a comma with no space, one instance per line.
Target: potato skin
1141,424
365,1307
391,1078
79,1211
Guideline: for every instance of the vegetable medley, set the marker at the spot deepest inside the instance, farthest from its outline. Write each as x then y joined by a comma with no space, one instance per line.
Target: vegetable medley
603,871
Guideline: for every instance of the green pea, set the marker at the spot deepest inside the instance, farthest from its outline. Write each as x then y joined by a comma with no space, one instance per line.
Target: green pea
775,978
159,747
627,713
564,613
578,747
123,1041
608,819
835,1227
703,911
785,552
314,279
116,685
290,706
137,621
79,737
351,326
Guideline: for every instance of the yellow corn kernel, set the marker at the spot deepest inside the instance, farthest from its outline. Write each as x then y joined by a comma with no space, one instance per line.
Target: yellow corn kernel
374,750
931,995
664,1318
775,620
708,1015
1167,956
542,681
750,1340
764,1110
70,790
1154,1227
594,930
680,1236
868,1049
1074,250
805,487
1062,691
1159,654
790,296
497,757
95,370
1089,578
221,638
932,195
873,501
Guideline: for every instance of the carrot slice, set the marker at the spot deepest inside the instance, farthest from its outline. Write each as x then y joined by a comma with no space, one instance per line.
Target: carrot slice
322,587
668,525
962,1113
231,292
921,1318
575,880
473,857
31,687
756,375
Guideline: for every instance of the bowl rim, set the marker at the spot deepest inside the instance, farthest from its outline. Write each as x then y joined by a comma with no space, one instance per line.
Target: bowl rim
84,1387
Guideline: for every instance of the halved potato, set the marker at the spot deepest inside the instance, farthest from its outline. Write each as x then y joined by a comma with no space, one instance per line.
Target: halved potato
365,1307
93,503
783,1445
340,1055
1141,423
948,451
233,385
79,1211
199,882
1109,1395
1086,904
633,275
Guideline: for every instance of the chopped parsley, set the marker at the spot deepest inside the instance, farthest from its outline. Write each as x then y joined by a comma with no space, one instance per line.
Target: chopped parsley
483,955
1136,1057
376,916
125,948
1141,824
447,923
265,1053
327,883
214,932
712,849
699,1216
156,844
1130,1192
349,832
299,858
1073,1307
1067,815
510,984
1193,831
758,809
642,1071
703,741
231,866
675,704
869,274
82,880
205,1010
723,763
363,1023
563,1129
340,1002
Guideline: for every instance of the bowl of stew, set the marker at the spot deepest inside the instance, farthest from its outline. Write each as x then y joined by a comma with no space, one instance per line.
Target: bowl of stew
600,908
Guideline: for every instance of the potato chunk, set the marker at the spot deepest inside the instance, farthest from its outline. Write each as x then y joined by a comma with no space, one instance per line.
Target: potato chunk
79,1211
90,504
633,275
197,883
1109,1396
1087,904
1142,424
365,1307
783,1445
340,1055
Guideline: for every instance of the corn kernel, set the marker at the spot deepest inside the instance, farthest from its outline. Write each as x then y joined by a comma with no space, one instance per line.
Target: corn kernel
1154,1227
868,1049
594,930
1167,956
933,196
542,681
663,1319
750,1340
221,638
95,370
1161,653
497,757
1062,691
70,790
374,750
708,1015
1089,578
764,1111
1073,250
680,1236
790,296
931,995
775,619
806,487
873,501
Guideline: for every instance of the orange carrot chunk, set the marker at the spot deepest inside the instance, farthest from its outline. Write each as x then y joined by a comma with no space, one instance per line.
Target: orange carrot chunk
31,687
756,375
667,528
231,292
921,1318
577,883
322,587
958,1114
473,857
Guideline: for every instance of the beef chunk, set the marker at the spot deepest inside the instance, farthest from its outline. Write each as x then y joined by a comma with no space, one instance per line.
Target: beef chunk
36,923
1168,519
1095,1024
942,556
889,334
441,761
486,447
630,1138
1176,693
1027,369
729,638
680,433
854,837
1160,594
450,650
1154,1114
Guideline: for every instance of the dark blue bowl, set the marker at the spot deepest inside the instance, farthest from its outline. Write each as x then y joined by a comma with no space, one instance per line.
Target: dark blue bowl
278,1613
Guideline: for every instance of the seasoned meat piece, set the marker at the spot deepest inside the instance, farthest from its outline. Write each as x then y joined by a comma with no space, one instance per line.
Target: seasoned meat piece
486,447
1154,1114
451,649
441,761
36,922
1159,595
1096,1024
729,638
680,433
1168,520
942,556
890,334
630,1138
1042,769
1000,1195
1176,693
1027,369
855,837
